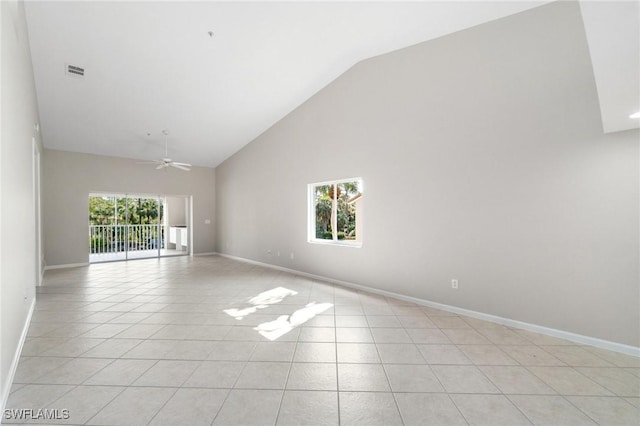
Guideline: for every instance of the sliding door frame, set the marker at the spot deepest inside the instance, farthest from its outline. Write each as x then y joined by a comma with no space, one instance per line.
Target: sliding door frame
161,200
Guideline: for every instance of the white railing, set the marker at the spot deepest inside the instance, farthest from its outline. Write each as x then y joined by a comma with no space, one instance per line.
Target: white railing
120,238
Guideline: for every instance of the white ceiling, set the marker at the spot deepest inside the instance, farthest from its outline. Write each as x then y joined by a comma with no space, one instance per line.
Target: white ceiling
152,66
613,33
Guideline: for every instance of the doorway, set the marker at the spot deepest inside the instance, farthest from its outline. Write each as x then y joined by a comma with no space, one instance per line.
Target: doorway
137,226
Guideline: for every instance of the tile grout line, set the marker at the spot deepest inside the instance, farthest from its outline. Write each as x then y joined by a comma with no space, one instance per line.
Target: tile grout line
386,375
505,396
235,381
167,287
286,382
164,405
448,394
335,333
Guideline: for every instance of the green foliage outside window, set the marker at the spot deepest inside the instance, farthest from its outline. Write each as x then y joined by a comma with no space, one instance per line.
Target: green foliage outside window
345,210
134,211
118,213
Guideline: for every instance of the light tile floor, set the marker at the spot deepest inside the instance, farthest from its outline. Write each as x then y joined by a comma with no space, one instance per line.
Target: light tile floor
148,342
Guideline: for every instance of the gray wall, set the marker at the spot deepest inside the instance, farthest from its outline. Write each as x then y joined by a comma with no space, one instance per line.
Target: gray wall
176,211
483,159
68,178
17,224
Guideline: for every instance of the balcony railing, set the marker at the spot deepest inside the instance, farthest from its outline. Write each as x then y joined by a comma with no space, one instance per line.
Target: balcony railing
120,238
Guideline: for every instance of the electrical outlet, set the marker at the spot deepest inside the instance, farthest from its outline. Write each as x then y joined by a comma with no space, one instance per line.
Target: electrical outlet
454,284
278,254
291,256
268,251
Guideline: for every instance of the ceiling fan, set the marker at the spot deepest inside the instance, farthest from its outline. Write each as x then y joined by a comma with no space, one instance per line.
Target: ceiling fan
166,161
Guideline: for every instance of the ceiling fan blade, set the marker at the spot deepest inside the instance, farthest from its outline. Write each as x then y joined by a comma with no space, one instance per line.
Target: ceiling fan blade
166,161
179,166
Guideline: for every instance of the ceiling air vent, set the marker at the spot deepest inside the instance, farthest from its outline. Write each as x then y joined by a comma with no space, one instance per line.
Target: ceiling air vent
75,71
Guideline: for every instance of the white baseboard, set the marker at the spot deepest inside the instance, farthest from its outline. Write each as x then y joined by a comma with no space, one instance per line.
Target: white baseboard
573,337
209,253
16,357
68,265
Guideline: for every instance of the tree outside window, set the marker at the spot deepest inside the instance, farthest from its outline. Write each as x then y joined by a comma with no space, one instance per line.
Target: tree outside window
335,208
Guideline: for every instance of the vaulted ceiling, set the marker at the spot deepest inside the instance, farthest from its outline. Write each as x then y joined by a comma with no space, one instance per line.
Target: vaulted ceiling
218,74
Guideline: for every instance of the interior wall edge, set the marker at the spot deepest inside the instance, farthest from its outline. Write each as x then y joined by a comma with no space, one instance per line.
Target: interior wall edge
561,334
483,160
20,142
16,358
69,178
66,266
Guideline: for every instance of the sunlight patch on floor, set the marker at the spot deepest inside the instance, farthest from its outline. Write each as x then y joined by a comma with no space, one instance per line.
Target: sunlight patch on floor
261,301
285,323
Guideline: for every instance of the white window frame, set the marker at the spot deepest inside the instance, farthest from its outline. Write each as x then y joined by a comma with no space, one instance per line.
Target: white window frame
311,215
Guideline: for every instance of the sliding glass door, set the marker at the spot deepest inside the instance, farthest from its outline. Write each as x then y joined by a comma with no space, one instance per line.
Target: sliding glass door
130,226
106,231
144,230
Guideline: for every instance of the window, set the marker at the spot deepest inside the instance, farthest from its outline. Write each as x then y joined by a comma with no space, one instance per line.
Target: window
335,212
